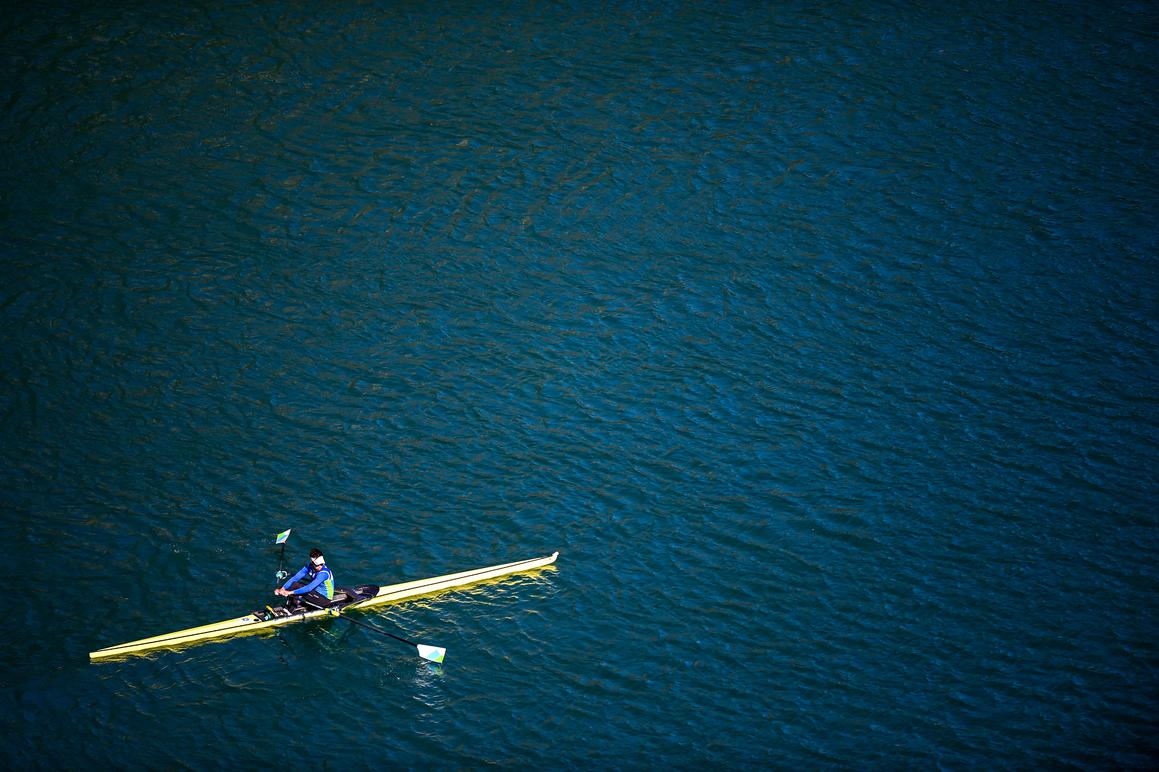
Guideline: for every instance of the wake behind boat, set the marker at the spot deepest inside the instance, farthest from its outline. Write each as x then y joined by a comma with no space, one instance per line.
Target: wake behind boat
363,596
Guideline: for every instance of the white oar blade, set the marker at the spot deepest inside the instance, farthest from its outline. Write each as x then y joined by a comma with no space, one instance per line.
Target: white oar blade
433,653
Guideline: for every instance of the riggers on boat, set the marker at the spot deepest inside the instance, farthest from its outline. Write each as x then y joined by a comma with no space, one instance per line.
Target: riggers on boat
363,596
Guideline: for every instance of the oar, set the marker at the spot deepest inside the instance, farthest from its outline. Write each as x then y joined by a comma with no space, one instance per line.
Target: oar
281,539
433,653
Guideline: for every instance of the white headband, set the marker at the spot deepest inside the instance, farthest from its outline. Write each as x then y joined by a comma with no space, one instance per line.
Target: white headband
318,560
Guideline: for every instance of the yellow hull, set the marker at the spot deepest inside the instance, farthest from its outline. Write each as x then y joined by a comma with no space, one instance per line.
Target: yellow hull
388,594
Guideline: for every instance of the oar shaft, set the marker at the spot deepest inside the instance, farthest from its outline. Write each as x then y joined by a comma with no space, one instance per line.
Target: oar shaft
367,625
431,653
281,558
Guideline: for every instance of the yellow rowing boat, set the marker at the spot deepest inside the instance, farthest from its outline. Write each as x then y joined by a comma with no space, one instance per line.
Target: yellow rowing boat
363,596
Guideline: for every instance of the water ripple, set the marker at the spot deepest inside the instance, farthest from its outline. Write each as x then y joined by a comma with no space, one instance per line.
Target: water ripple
817,339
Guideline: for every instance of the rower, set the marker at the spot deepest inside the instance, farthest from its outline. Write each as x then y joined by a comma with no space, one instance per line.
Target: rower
313,585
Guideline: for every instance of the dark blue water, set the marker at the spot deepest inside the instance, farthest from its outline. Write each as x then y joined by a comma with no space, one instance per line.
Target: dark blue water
818,338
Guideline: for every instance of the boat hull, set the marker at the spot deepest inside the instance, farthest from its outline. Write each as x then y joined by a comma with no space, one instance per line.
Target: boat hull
387,594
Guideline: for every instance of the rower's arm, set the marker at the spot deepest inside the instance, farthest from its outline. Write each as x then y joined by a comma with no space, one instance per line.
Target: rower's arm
294,578
319,577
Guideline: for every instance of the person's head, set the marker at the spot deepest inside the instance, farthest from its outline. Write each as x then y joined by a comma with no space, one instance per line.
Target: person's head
316,557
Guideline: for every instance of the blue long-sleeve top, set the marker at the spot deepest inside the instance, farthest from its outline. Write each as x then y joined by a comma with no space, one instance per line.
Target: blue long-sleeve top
321,579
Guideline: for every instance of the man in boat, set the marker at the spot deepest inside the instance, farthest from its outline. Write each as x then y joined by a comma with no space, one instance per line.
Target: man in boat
313,585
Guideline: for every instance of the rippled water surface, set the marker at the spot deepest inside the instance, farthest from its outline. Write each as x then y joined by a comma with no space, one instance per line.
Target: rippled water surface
818,338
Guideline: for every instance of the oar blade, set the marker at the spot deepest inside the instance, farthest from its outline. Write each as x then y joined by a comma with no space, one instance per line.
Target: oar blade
432,653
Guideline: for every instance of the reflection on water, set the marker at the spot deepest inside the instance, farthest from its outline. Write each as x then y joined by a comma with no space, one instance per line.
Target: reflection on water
428,682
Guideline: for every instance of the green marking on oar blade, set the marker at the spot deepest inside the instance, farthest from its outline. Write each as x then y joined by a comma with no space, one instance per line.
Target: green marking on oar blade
433,653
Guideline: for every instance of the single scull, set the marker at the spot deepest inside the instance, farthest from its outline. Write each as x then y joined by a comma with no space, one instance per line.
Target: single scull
362,596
